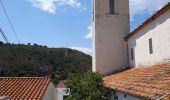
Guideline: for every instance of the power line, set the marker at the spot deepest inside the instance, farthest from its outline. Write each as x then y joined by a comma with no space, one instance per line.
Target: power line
4,36
11,48
12,27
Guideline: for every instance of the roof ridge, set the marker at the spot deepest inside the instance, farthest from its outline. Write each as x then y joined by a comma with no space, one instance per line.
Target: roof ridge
35,78
24,77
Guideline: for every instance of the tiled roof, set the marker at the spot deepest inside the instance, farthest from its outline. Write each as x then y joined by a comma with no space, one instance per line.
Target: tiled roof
61,84
148,21
145,82
23,88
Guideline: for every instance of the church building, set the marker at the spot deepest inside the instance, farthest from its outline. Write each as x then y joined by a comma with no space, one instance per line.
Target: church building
135,65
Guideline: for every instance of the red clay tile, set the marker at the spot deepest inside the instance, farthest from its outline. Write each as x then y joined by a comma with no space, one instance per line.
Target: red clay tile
61,84
144,82
19,88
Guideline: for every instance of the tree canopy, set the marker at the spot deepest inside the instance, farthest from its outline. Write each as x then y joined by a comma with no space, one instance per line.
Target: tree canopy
86,87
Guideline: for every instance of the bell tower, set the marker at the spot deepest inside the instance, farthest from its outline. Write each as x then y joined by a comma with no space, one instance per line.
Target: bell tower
111,23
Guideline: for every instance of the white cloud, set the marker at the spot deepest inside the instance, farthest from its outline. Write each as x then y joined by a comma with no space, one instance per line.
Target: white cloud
45,5
84,50
146,6
50,6
89,35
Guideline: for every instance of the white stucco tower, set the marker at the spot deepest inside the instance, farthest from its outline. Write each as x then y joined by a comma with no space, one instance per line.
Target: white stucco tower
110,25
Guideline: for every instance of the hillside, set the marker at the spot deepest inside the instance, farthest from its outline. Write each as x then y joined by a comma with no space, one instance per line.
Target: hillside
35,60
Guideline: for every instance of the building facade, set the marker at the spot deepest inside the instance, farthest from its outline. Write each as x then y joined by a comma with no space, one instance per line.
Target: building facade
139,60
110,25
115,48
151,45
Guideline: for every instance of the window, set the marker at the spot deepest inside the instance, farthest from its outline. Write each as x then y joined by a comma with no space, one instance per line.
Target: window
132,55
124,95
150,46
113,6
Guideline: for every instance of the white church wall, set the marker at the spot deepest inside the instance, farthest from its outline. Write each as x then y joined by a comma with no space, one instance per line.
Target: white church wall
108,36
159,31
122,96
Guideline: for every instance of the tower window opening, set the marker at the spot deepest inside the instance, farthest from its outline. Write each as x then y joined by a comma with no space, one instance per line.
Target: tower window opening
112,6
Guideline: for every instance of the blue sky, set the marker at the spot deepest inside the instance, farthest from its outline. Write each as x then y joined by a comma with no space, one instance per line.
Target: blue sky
62,23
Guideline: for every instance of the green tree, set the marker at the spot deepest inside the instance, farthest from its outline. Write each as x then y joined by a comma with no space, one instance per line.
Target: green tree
86,87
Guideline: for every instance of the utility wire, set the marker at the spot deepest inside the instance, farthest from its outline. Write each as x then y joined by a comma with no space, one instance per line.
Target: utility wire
11,48
12,27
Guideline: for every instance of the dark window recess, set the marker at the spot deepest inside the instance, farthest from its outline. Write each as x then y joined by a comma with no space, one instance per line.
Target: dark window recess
150,46
124,95
132,55
111,6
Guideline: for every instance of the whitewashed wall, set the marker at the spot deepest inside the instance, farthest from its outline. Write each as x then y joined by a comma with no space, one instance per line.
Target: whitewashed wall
121,96
63,92
109,31
159,31
51,93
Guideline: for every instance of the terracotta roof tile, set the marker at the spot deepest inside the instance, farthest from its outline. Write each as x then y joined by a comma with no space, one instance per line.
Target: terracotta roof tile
19,88
144,82
61,84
